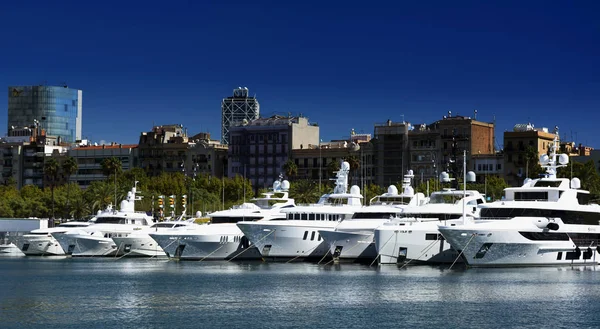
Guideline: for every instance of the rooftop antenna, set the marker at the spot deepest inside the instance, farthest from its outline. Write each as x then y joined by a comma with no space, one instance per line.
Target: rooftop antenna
475,115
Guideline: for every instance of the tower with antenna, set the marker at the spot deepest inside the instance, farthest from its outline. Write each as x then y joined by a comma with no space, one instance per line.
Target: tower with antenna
237,109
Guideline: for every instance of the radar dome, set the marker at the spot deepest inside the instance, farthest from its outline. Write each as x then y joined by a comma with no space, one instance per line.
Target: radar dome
276,185
575,183
355,190
410,173
198,214
393,190
470,176
444,177
544,159
285,185
345,165
563,159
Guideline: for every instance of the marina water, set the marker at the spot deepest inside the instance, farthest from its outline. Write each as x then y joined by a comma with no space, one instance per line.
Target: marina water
149,293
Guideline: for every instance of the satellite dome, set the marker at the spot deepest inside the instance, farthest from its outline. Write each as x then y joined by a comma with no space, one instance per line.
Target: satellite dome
393,190
575,183
198,214
355,190
563,159
470,176
345,165
285,185
444,177
544,159
276,185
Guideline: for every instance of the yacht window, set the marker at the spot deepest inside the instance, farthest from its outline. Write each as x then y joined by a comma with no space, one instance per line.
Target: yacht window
312,235
583,198
311,216
547,183
318,237
111,220
225,219
559,256
432,236
531,196
305,235
375,215
445,198
567,216
303,216
290,216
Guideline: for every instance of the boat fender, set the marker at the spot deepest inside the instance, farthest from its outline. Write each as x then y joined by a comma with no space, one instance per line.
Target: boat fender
552,226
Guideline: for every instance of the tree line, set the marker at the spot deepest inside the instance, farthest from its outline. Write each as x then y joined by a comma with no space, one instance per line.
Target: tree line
207,193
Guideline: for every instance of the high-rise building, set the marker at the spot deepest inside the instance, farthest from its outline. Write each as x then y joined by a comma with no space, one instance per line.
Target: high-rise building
57,109
237,109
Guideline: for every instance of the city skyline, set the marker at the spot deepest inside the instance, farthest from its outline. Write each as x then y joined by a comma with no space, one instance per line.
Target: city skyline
343,67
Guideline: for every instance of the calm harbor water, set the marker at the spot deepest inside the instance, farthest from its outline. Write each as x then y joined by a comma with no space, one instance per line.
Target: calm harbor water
141,293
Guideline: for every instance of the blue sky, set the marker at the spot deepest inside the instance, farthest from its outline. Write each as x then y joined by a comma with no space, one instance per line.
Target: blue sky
343,64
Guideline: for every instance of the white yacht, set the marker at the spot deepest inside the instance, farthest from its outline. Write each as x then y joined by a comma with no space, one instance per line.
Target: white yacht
352,240
40,242
547,221
297,236
140,244
221,238
7,245
96,239
415,237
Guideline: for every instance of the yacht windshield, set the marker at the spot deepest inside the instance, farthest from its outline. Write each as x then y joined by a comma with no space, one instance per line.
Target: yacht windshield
393,200
445,198
111,220
375,215
221,220
546,183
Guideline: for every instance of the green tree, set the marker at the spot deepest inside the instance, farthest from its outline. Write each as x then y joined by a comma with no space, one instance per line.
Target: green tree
51,172
69,167
532,163
304,191
332,167
111,166
290,168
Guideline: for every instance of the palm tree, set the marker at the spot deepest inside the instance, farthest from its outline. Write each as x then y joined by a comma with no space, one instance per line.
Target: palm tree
112,166
51,173
69,167
290,168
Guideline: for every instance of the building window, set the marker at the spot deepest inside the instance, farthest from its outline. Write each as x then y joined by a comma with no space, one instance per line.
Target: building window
499,166
509,160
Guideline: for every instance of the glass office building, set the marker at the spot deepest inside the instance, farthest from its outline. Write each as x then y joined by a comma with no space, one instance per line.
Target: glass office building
58,110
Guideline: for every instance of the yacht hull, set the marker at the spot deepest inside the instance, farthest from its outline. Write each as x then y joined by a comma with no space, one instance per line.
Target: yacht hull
284,242
206,247
139,246
350,246
10,250
40,246
481,247
417,243
94,246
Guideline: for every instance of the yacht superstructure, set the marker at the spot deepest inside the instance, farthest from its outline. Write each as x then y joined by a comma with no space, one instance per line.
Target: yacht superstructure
297,235
547,221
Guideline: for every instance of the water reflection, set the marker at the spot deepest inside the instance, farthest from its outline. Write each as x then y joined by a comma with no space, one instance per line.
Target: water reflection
97,293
